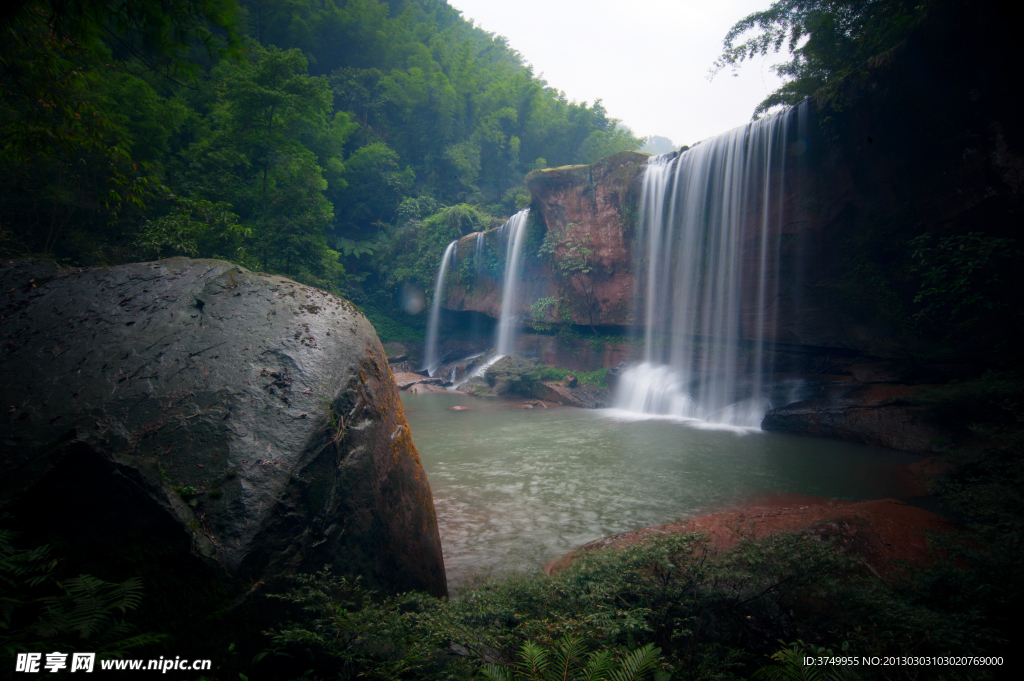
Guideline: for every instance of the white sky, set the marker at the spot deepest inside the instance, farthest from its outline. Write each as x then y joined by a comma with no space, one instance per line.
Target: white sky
647,59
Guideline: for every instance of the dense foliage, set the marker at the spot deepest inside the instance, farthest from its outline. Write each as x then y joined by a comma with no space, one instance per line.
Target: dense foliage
698,616
329,141
827,39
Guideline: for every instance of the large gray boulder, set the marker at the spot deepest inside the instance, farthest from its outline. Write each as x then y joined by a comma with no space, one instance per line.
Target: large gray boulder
250,419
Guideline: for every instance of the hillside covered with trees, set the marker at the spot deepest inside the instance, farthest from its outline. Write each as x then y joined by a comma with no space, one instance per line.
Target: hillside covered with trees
340,143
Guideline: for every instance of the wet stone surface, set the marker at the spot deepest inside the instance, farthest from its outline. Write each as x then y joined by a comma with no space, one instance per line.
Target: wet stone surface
255,415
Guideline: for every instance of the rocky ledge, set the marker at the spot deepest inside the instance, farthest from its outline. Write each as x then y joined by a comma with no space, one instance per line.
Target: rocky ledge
877,404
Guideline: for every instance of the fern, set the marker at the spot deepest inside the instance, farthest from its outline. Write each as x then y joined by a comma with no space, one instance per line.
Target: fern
567,663
495,672
84,609
638,664
568,659
789,666
20,572
534,662
88,605
599,666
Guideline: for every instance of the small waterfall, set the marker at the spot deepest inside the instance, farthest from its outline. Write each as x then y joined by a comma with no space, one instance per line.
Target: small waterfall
430,358
479,265
478,254
515,232
707,220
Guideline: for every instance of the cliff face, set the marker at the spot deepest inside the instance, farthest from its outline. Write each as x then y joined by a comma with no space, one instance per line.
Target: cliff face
586,213
208,414
591,208
925,140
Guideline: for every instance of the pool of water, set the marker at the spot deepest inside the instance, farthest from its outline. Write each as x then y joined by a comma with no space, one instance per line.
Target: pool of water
515,488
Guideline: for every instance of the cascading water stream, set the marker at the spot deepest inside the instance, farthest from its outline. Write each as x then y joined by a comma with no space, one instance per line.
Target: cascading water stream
431,360
478,254
515,232
707,217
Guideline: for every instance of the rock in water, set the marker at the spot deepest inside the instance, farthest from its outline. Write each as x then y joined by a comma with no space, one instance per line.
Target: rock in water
615,373
510,374
585,396
240,416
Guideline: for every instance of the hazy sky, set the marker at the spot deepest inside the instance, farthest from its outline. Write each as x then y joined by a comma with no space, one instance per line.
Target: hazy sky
647,59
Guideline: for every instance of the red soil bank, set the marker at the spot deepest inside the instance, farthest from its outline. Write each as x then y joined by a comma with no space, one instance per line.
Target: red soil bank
881,531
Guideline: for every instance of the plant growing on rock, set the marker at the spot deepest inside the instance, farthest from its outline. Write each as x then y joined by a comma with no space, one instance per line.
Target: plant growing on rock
962,280
511,374
573,253
539,310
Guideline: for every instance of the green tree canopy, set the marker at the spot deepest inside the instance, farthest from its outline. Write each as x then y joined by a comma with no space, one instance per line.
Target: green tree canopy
826,38
346,144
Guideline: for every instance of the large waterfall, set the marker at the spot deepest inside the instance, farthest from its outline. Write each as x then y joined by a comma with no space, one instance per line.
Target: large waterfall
709,226
430,358
515,233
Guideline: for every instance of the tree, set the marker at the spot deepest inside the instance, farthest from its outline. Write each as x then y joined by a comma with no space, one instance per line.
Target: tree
271,137
79,123
602,143
826,38
374,184
122,130
49,45
195,227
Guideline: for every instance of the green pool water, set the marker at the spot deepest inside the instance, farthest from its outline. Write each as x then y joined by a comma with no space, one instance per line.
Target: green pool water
515,488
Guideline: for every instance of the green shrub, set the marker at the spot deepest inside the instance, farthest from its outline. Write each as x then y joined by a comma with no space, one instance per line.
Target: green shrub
396,327
711,618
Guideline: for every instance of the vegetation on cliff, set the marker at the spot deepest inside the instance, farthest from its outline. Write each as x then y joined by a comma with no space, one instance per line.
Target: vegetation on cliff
937,282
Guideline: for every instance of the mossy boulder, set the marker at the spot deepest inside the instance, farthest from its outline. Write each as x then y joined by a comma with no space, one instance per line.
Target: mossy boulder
511,375
478,386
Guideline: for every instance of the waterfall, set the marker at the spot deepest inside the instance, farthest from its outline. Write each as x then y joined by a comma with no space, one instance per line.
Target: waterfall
430,358
515,232
478,254
709,225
